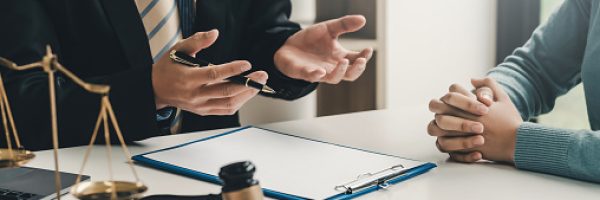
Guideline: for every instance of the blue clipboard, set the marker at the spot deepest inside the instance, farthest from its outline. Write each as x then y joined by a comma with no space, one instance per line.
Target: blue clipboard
171,168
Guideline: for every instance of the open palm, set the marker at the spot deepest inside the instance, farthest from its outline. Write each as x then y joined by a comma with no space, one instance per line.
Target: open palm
315,54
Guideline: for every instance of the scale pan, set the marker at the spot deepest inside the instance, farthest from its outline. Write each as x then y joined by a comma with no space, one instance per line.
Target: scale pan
104,190
19,158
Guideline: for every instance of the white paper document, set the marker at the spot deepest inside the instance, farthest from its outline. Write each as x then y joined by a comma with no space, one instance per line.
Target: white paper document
284,163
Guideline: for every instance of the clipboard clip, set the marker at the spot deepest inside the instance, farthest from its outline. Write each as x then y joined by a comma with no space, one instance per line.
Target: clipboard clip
379,178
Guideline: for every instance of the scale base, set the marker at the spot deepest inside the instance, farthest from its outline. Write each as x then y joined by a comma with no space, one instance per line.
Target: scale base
19,158
104,190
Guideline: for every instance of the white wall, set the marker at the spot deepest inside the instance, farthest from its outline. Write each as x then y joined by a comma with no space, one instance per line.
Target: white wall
262,110
433,43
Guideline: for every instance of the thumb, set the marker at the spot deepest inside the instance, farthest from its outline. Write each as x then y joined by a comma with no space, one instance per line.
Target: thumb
490,88
197,42
485,95
345,24
259,76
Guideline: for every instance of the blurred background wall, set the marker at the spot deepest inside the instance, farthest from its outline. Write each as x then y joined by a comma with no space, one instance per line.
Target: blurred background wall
434,43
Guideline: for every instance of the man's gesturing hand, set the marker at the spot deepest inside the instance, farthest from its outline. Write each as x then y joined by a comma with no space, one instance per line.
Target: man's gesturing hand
315,55
203,91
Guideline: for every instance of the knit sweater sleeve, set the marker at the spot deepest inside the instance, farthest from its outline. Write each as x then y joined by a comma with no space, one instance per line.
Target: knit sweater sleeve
547,66
569,153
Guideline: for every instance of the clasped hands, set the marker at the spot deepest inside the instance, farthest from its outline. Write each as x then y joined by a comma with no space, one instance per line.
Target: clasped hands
471,126
313,54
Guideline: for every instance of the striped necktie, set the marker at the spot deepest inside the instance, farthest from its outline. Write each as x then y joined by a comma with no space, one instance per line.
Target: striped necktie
161,21
165,21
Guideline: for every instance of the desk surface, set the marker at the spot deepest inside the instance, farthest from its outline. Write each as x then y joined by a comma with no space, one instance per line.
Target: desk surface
400,132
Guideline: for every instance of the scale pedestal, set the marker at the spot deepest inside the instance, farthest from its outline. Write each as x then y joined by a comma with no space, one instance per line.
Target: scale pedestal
17,158
10,157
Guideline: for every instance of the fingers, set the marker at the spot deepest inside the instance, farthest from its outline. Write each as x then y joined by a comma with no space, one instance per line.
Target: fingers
434,130
216,73
465,103
358,63
365,53
497,90
457,88
452,123
466,157
220,90
343,71
358,67
259,76
338,73
439,107
485,95
197,42
308,72
311,73
462,143
294,66
458,145
228,105
345,24
225,98
228,89
462,98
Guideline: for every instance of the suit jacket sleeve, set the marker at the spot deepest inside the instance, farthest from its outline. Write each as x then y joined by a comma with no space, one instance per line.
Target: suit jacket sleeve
24,42
268,27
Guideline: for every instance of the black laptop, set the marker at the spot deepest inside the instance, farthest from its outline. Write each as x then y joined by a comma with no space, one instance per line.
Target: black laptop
26,183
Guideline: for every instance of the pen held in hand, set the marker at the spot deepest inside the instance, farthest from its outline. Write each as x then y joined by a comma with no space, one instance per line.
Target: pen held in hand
190,61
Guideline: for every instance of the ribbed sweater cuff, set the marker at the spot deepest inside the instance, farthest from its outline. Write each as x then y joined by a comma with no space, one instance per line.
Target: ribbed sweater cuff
542,149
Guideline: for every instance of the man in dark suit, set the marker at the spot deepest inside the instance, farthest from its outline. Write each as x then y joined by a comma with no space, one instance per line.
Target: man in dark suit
107,41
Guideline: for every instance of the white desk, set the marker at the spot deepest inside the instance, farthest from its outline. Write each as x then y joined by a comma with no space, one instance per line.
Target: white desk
401,132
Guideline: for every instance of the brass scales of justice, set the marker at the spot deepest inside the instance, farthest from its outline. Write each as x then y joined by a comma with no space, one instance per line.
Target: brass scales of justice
17,157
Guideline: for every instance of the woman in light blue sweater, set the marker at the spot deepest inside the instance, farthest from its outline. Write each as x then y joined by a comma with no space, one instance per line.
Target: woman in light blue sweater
560,54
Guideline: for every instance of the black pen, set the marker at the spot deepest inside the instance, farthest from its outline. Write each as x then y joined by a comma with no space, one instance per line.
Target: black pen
185,59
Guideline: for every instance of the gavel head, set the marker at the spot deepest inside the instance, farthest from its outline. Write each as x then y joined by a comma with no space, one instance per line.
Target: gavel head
238,182
237,176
